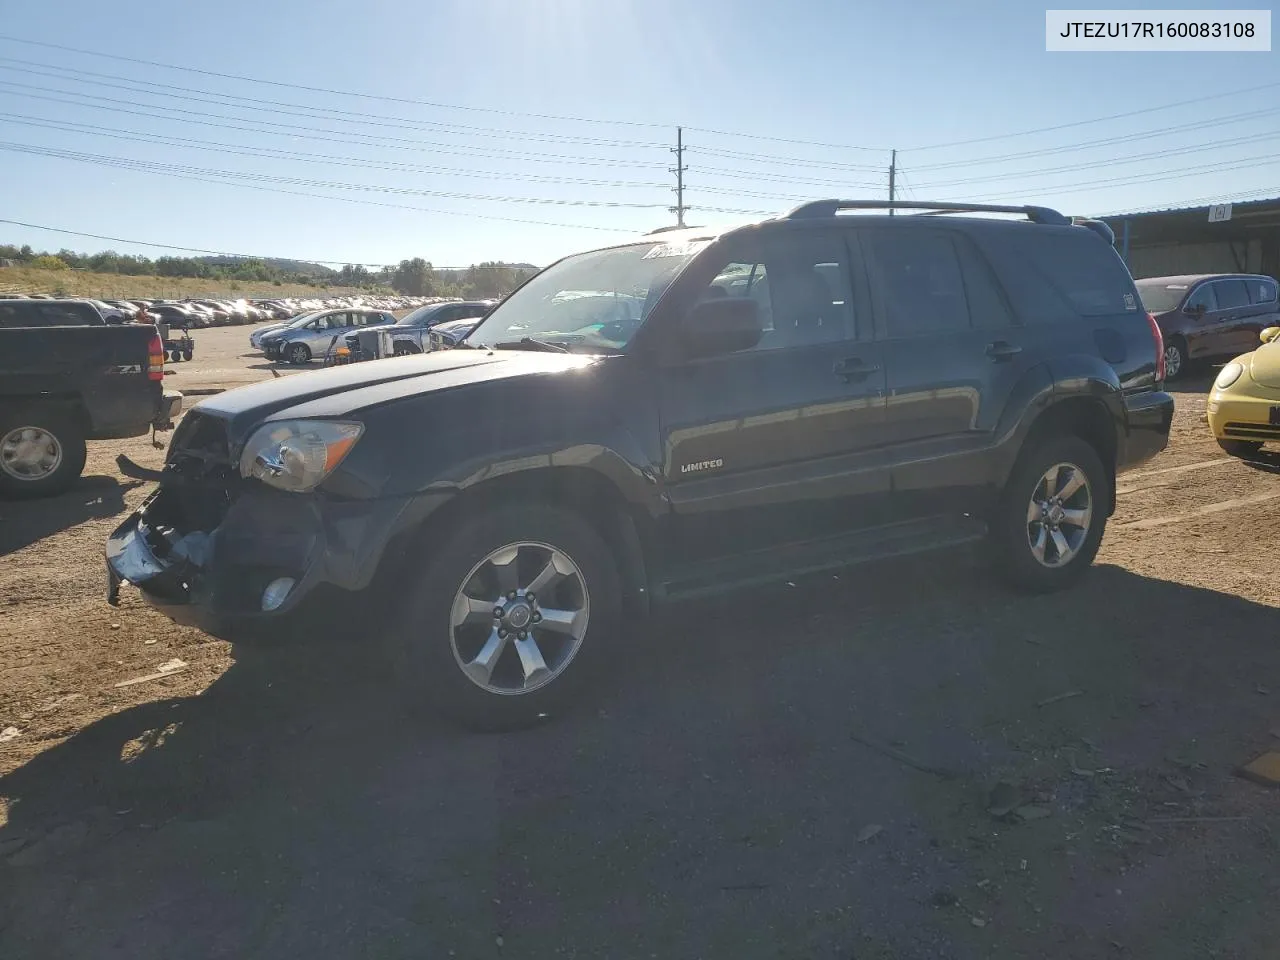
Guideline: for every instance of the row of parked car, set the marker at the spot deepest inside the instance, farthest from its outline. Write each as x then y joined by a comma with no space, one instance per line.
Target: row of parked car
227,312
314,335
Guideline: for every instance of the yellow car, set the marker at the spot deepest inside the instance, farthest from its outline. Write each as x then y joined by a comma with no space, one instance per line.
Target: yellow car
1244,406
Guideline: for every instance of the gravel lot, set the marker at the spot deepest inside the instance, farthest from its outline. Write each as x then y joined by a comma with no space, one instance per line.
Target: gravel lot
805,771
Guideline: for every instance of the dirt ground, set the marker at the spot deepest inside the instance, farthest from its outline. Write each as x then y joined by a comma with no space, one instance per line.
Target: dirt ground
806,771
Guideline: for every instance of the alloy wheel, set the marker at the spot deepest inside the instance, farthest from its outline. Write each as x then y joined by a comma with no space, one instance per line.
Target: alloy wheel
519,618
1059,515
1172,361
30,453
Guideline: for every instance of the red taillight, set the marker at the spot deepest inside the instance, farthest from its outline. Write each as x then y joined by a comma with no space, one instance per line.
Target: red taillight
155,359
1158,337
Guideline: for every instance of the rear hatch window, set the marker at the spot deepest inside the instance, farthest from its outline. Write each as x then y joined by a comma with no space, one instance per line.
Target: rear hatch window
1048,269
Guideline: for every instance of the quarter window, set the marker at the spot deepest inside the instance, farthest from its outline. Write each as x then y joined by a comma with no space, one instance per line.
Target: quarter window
1262,291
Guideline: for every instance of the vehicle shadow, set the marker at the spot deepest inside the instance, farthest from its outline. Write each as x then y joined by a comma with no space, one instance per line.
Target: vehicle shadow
1197,379
792,772
23,522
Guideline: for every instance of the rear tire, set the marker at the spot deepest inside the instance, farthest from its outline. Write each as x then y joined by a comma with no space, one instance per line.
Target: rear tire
582,596
1043,544
1175,359
1244,449
42,453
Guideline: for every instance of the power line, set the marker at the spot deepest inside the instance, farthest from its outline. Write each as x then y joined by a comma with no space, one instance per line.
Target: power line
1092,165
806,143
366,202
1114,116
1245,163
780,160
426,103
331,92
162,139
782,178
150,165
344,116
1196,125
285,129
170,246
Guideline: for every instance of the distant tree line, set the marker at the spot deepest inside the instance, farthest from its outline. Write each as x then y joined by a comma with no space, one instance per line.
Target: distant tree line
416,277
211,268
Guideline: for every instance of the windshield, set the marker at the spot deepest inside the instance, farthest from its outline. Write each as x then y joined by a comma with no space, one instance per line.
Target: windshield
589,303
1159,296
300,321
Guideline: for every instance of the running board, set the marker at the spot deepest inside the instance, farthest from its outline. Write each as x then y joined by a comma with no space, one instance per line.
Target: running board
834,553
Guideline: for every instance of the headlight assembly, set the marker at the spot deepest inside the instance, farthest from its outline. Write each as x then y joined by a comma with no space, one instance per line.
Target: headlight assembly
1229,375
295,455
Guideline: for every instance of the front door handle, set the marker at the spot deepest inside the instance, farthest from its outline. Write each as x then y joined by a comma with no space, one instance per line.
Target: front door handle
854,368
1002,350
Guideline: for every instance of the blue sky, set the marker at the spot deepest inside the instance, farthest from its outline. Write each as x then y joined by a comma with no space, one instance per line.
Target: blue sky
330,177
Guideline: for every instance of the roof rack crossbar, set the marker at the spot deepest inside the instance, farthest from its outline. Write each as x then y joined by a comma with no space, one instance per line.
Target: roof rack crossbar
829,208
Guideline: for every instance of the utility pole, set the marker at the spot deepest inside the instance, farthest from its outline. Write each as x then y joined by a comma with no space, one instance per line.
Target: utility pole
893,170
679,170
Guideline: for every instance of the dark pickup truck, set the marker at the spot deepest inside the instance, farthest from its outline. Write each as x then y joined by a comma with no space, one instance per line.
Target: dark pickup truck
63,385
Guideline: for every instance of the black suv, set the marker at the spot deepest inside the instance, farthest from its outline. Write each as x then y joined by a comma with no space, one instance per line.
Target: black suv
689,412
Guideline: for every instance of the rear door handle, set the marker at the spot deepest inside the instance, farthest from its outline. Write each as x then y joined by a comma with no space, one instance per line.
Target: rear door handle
854,368
1001,350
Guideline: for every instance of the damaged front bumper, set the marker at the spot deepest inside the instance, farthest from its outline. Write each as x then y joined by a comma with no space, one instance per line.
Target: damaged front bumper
214,573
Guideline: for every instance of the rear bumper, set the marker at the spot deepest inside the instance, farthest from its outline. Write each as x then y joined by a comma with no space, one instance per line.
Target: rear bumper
1149,418
215,579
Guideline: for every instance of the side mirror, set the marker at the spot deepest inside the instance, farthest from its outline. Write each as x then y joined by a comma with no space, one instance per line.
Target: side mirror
1195,311
1269,334
720,326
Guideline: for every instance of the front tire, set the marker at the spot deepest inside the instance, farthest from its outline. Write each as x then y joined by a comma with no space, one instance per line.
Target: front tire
42,453
299,353
1244,449
1050,519
513,615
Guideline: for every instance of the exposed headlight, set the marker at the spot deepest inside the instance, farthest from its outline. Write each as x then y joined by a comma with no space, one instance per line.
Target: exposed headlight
295,455
1228,375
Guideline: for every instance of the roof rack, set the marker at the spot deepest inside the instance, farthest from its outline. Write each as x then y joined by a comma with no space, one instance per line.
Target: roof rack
829,208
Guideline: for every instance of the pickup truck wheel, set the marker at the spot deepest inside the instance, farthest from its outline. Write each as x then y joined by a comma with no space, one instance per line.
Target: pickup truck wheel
41,453
1050,518
511,617
299,353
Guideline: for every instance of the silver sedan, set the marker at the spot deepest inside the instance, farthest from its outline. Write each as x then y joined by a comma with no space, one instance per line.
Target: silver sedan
311,337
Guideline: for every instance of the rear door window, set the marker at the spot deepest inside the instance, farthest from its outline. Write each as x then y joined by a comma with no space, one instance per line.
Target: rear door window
1231,294
1262,291
918,281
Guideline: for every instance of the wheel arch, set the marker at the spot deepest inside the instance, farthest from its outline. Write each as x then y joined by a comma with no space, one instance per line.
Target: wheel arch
1089,418
581,490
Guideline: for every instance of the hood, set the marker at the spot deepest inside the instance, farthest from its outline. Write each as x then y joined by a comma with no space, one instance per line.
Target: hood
345,390
1264,365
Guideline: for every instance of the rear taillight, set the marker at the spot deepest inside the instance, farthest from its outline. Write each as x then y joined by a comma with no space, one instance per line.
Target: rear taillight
155,358
1158,337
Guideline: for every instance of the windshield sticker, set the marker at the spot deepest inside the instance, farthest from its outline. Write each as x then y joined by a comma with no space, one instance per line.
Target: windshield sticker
1129,302
686,249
